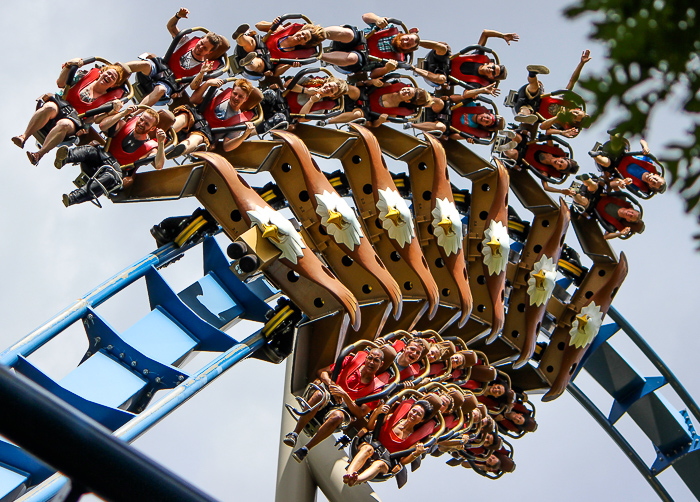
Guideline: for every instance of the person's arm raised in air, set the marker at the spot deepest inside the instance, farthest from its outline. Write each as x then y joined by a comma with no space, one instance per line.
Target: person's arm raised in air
62,80
508,37
372,18
172,22
160,151
585,58
110,120
197,82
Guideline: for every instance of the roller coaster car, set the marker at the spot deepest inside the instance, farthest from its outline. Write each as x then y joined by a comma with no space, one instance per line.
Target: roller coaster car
622,162
383,384
459,120
112,167
570,266
554,102
612,224
505,456
70,95
432,427
323,109
502,403
369,46
250,111
464,66
513,430
542,171
400,114
269,50
177,75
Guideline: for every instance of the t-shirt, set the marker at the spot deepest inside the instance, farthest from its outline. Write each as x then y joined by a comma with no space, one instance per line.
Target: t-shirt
187,60
469,119
224,112
384,43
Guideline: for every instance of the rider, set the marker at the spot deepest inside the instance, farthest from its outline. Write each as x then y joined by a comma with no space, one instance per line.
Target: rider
357,378
57,115
130,141
437,62
186,60
208,110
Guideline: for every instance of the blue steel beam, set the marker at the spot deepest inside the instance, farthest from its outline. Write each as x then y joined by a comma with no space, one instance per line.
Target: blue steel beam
79,308
171,401
656,361
620,441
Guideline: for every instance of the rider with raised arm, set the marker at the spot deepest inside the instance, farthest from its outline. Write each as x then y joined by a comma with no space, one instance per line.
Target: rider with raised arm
186,60
130,141
209,110
357,378
348,40
567,120
58,114
437,117
253,53
437,62
373,457
529,96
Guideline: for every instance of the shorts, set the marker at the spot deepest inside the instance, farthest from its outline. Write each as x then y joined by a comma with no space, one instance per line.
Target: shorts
154,71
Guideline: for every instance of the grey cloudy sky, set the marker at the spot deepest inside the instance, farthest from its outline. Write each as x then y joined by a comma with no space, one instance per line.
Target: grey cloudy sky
225,439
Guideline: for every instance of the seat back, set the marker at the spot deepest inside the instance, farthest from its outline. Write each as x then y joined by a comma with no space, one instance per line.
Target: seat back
547,173
373,44
460,69
296,53
399,111
460,121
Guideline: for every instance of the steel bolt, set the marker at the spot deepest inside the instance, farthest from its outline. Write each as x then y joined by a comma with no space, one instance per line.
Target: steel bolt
88,353
157,379
180,378
133,364
110,347
145,372
121,356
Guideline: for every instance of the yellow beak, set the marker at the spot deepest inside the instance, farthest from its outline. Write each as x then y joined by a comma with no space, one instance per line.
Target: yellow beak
335,218
495,246
394,215
582,321
446,225
539,279
271,232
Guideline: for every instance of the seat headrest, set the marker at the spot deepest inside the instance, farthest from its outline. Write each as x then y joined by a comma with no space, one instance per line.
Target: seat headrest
389,356
222,49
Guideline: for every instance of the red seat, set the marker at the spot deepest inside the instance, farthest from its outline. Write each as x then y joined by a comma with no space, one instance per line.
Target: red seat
611,221
375,106
297,53
373,47
628,160
462,111
391,442
456,70
548,172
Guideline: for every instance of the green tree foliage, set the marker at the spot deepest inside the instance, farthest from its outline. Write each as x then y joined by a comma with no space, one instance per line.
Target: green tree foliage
653,54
